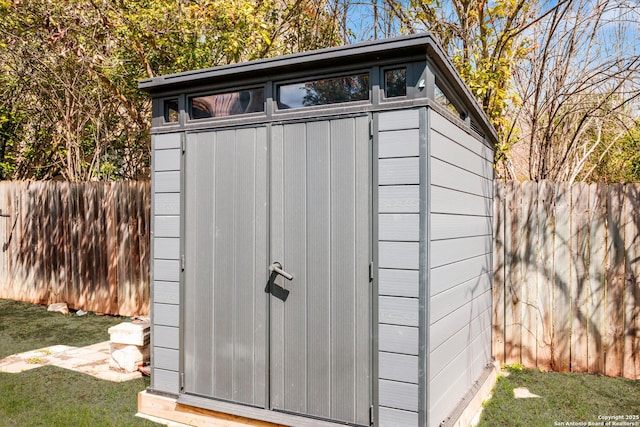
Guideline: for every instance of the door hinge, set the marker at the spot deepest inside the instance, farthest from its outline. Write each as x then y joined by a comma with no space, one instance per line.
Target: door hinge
371,271
182,144
181,381
371,415
182,262
370,128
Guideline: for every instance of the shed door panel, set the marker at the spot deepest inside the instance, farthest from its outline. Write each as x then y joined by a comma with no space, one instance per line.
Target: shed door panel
320,336
225,333
301,199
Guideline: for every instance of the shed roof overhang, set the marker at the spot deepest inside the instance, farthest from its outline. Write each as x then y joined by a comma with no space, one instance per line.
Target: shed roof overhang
423,44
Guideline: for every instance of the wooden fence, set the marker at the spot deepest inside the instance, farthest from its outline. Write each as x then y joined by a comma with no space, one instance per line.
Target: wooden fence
567,277
566,264
86,244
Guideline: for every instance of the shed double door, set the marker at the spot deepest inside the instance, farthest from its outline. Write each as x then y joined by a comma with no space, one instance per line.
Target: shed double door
296,194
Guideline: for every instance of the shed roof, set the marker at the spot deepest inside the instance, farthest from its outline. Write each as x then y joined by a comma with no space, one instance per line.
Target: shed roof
417,44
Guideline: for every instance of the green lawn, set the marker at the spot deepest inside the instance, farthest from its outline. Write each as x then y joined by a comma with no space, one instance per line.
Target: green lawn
565,398
52,396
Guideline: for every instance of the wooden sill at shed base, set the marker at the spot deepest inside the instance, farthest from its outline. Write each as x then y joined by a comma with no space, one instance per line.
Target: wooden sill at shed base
168,409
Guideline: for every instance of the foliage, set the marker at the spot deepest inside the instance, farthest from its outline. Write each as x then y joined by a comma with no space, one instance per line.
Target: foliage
70,104
559,80
579,87
618,162
484,39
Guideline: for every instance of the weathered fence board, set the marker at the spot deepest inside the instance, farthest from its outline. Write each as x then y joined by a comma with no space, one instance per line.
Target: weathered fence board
597,267
86,244
498,344
567,277
561,281
579,278
513,294
614,293
631,212
544,267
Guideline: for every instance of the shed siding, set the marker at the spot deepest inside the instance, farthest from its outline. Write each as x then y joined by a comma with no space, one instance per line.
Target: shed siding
398,263
461,192
166,262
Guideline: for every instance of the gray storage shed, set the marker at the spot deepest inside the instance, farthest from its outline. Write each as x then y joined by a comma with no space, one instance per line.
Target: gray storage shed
322,237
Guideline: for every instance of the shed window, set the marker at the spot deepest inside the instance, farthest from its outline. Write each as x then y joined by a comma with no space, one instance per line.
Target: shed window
227,104
395,83
332,90
171,112
442,99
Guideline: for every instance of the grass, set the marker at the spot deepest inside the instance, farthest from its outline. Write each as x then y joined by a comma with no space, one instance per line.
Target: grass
565,398
25,327
51,396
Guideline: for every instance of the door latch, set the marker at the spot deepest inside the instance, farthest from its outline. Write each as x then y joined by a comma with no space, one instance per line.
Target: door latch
276,267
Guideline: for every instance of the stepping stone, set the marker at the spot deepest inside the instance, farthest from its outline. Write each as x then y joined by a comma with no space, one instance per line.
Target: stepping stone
523,393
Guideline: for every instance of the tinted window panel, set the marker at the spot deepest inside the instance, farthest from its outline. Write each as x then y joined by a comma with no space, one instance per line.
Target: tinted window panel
227,104
395,83
324,91
171,112
443,100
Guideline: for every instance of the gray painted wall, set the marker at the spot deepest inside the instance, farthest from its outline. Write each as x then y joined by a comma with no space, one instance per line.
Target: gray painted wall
165,268
461,169
398,253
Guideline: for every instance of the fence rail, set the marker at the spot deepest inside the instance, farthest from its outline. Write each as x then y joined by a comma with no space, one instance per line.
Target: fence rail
567,277
86,244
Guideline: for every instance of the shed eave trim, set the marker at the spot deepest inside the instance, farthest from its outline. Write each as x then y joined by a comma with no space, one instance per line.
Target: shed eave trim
366,50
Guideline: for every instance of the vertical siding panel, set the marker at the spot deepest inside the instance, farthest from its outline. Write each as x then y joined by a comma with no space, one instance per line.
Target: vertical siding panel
319,267
223,263
615,295
244,264
261,299
343,279
597,273
579,275
295,247
277,365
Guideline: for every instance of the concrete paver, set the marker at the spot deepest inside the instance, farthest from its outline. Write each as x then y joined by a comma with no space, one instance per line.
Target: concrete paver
91,360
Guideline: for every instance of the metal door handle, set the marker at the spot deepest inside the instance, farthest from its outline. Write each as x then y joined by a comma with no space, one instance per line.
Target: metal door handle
276,267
